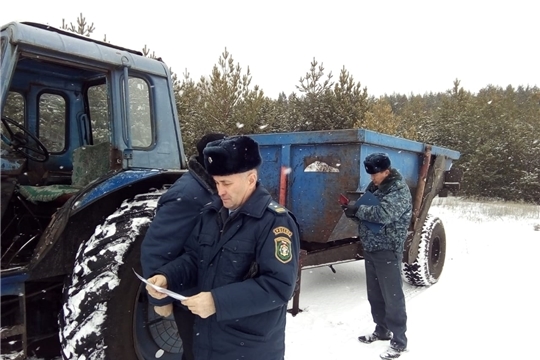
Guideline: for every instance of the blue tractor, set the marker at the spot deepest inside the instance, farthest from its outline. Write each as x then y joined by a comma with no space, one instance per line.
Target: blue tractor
90,140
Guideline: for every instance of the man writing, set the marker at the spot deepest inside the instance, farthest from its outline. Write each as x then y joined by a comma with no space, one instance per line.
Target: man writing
243,259
383,252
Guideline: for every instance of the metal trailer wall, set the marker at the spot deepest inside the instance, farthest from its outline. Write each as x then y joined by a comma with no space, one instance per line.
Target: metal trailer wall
306,172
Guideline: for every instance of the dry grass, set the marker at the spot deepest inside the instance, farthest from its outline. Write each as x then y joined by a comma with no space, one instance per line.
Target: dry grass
481,209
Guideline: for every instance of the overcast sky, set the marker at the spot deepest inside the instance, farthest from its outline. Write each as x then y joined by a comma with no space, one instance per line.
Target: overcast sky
406,46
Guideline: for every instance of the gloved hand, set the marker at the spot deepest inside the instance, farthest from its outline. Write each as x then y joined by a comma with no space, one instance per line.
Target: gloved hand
350,210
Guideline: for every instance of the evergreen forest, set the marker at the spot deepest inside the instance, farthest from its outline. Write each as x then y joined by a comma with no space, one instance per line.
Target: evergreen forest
496,130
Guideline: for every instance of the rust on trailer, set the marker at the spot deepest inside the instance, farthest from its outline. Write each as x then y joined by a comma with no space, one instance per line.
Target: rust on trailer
331,253
283,186
419,195
339,171
433,185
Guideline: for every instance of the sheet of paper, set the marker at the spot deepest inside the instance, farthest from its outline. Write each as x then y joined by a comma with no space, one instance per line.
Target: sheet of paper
160,289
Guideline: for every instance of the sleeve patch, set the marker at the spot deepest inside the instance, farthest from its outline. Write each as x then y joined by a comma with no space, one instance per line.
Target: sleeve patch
282,230
283,249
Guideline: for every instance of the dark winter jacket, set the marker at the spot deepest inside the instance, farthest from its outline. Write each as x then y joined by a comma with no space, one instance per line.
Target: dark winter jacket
177,213
249,262
394,211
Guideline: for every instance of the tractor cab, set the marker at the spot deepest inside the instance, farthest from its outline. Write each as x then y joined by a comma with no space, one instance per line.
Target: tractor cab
74,113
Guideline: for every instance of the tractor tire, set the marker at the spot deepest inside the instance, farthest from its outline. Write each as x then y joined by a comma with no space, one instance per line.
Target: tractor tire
429,263
106,313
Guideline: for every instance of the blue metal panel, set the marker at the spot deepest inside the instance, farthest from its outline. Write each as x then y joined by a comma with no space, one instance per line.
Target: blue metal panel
351,136
402,144
319,173
270,171
13,284
324,164
46,42
406,162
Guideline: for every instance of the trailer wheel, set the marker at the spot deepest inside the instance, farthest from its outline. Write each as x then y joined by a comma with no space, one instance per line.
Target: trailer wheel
428,266
106,313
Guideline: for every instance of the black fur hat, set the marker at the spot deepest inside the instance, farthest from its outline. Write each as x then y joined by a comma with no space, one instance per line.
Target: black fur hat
377,162
204,141
232,155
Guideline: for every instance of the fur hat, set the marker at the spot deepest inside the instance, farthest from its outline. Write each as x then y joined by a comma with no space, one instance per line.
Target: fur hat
204,141
376,163
232,155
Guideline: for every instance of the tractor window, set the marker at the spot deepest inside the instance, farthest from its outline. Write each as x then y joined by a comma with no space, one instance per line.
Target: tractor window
3,47
52,121
140,114
99,113
14,107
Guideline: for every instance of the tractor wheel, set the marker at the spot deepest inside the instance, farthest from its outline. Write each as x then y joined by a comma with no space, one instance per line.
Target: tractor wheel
106,313
428,266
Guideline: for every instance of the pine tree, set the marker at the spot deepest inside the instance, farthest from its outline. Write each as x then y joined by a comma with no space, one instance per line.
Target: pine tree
82,27
380,117
324,104
224,102
415,115
316,103
351,101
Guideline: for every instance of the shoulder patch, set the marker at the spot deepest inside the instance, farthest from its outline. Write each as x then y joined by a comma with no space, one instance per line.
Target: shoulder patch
276,207
282,240
282,230
283,249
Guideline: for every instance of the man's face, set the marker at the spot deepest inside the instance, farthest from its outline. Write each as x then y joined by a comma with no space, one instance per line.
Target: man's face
235,189
379,177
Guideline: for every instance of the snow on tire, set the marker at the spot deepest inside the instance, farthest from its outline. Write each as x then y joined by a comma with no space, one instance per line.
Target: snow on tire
429,263
96,275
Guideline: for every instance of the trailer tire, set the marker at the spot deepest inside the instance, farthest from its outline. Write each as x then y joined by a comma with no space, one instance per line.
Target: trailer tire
429,263
106,314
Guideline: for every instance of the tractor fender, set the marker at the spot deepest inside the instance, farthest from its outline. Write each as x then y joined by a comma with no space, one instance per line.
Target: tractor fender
77,219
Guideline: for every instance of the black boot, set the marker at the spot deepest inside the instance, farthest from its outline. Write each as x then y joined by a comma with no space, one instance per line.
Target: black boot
368,339
392,353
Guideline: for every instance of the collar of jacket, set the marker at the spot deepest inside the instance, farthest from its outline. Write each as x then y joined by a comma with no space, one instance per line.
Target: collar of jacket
255,206
201,175
387,183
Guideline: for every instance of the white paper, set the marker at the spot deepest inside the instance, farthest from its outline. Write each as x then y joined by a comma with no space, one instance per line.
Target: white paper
160,289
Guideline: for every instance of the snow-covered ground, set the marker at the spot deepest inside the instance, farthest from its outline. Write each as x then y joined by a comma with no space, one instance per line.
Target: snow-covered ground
484,305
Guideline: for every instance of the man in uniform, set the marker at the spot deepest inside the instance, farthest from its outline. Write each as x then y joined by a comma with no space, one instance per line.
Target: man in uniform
243,258
383,251
177,214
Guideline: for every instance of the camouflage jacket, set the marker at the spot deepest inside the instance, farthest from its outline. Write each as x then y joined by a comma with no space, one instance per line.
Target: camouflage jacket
394,211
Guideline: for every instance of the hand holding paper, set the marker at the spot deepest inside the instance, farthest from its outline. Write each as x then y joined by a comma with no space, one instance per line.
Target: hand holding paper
155,286
201,304
157,291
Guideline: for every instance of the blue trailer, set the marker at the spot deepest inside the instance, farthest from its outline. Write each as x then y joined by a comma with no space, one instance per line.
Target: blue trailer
307,171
